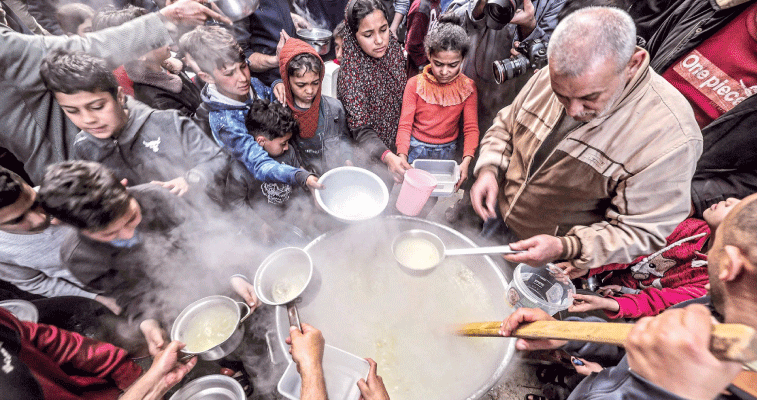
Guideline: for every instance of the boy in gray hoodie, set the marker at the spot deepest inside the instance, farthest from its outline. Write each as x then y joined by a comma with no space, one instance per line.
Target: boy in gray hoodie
138,143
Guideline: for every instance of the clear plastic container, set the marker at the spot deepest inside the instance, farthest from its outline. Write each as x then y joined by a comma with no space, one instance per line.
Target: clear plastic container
341,372
545,287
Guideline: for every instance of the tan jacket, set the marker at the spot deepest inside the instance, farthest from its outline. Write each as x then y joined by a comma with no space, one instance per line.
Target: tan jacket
618,184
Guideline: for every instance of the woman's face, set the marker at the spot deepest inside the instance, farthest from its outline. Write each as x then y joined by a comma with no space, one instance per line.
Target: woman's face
373,34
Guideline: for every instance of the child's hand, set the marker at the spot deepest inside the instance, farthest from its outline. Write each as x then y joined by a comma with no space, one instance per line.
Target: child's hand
585,303
312,183
244,288
178,186
609,290
464,166
397,166
279,91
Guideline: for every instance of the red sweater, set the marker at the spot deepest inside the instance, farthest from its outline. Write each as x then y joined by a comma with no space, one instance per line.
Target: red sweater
722,71
675,274
439,123
68,366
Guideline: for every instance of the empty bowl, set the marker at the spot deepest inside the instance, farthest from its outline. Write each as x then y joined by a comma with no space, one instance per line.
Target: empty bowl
352,194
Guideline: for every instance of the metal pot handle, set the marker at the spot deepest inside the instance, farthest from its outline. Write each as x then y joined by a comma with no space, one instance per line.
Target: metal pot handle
247,315
294,316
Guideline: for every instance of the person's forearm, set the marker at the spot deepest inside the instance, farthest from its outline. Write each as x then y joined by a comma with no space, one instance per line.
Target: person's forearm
313,384
147,387
260,62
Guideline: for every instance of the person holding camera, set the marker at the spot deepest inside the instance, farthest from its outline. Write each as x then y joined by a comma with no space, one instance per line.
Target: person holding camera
592,162
493,26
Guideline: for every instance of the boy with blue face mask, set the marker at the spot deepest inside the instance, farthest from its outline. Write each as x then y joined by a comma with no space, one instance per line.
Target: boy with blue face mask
118,232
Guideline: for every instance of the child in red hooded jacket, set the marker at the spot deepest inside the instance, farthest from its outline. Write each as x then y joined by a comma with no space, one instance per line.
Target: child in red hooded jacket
653,283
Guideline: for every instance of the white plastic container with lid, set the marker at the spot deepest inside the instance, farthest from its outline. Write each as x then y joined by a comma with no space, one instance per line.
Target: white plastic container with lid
446,172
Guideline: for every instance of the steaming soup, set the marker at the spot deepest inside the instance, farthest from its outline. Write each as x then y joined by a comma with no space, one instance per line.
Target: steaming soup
287,288
367,306
417,253
209,328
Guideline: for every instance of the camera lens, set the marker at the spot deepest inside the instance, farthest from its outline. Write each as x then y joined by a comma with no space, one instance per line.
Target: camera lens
510,68
501,11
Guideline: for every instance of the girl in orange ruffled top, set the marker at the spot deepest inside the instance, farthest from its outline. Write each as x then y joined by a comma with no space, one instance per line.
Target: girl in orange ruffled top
436,99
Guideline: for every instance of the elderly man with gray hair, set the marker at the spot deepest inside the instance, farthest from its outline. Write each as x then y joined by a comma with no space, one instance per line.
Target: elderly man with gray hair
592,162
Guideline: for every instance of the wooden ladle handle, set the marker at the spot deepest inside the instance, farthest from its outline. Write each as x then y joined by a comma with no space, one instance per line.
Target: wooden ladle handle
734,342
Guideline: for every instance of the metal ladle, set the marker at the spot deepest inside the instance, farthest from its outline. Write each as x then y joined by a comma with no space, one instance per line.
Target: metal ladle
441,250
291,268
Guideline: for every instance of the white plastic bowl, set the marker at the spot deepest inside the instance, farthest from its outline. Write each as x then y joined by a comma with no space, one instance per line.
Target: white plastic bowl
352,194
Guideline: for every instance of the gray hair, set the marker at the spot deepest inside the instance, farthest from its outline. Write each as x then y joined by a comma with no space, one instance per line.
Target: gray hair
590,36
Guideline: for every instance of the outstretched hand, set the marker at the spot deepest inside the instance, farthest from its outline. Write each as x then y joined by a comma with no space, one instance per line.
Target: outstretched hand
191,12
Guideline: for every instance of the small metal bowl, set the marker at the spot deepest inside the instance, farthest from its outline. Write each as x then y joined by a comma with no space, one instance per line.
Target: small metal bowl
352,194
217,387
320,39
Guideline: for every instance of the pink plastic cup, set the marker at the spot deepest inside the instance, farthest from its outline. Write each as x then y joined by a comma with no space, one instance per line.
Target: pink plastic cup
415,191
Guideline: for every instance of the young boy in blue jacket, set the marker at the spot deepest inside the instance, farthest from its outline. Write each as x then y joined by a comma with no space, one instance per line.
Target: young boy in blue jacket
227,98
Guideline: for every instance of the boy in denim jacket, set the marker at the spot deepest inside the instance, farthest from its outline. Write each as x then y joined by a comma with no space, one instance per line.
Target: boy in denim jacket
227,98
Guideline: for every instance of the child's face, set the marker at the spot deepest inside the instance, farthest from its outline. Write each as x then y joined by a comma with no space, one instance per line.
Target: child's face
85,27
122,228
97,113
304,88
373,34
275,147
445,65
232,80
715,215
338,43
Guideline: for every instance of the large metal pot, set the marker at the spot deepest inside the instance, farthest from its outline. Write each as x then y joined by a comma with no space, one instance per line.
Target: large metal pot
219,303
320,39
367,305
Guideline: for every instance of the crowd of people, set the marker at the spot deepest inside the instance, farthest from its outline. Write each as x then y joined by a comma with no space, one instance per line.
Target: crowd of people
138,137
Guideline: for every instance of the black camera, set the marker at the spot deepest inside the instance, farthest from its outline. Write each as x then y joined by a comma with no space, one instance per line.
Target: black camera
533,55
500,12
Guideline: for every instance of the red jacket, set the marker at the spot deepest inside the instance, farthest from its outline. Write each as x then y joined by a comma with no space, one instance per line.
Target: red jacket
66,365
670,276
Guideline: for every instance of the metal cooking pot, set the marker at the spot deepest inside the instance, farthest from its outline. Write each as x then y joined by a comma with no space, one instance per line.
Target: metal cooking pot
320,39
364,303
216,387
238,9
232,341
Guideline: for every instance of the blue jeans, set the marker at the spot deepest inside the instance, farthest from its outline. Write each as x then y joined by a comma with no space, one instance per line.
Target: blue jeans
418,149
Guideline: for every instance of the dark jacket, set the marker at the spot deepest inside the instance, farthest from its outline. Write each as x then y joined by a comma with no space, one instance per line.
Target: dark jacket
259,33
619,382
185,102
727,167
124,273
155,145
331,145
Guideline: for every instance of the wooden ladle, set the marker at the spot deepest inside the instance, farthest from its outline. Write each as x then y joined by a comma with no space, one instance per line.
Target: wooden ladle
733,342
